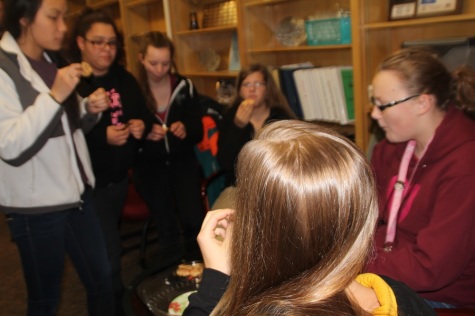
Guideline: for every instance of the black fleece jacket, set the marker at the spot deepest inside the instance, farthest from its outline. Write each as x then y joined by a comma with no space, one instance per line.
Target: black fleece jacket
111,163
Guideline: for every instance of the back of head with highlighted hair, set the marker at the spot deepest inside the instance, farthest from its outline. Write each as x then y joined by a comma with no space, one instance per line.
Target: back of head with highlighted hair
305,215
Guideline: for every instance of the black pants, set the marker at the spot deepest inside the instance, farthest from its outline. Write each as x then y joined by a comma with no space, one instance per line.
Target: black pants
172,192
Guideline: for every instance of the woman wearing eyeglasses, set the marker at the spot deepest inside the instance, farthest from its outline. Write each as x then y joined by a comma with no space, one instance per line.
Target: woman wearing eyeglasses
257,102
113,142
426,176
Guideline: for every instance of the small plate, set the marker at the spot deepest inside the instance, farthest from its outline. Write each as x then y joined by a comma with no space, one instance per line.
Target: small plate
157,293
161,290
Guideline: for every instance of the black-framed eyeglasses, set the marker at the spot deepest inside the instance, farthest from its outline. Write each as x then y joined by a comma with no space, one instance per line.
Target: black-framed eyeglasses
102,43
257,84
383,107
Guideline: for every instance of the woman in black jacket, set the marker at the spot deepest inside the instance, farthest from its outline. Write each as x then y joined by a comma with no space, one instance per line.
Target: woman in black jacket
113,142
167,174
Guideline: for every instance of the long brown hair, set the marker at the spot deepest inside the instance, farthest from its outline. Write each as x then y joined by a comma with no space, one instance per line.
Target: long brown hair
158,40
423,72
306,209
273,98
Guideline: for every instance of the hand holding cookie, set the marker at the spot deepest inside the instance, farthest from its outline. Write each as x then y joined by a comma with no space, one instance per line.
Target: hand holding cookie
215,238
157,133
244,112
65,82
98,101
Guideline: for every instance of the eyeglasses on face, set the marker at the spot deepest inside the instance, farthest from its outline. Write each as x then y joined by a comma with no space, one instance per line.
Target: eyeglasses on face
102,43
383,107
257,84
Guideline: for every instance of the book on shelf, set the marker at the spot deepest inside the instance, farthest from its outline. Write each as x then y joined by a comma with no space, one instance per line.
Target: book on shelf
288,87
326,93
302,78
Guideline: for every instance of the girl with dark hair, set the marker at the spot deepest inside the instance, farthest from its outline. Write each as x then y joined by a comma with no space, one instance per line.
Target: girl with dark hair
257,102
47,179
113,142
167,174
425,171
300,234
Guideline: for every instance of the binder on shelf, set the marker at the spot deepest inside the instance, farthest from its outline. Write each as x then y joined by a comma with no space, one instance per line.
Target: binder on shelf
342,90
347,81
338,94
303,83
330,103
326,93
288,87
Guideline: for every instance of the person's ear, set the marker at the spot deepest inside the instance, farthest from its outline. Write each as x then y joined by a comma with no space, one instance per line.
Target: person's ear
80,42
425,103
24,22
140,57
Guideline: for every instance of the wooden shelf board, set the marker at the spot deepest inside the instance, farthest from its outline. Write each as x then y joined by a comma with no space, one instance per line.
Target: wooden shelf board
211,74
420,21
258,3
217,29
300,48
138,3
103,4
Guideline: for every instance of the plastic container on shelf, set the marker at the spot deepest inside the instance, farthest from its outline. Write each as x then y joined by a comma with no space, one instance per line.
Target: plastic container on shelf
328,31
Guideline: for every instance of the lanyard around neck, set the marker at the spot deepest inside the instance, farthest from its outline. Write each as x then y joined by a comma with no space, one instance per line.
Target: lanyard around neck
399,187
398,195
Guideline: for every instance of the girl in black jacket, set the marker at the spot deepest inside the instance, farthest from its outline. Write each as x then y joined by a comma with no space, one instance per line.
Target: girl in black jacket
167,174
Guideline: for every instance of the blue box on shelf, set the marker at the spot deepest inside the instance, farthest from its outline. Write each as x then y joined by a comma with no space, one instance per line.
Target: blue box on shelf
328,31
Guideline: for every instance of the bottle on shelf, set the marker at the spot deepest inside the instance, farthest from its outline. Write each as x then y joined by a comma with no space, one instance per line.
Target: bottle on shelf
193,21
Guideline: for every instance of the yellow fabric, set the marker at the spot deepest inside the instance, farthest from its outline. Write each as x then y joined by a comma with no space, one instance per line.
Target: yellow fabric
383,291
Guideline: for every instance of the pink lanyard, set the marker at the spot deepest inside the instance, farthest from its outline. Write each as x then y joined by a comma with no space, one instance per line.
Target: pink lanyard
398,194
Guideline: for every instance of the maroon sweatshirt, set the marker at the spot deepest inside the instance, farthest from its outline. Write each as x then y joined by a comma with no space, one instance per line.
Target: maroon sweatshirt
434,250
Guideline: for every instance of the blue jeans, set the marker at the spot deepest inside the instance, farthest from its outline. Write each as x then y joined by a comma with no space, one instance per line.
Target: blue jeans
109,202
43,240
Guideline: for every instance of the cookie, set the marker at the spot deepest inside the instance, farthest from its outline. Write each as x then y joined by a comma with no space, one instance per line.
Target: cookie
86,69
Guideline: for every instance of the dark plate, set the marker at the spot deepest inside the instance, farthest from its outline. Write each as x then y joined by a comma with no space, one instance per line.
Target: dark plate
160,290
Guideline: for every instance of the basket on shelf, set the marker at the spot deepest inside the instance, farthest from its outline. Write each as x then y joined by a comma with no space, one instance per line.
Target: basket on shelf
328,31
220,14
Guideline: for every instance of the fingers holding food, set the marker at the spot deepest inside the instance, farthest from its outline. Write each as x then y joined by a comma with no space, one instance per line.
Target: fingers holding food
65,82
248,102
244,112
86,69
98,101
